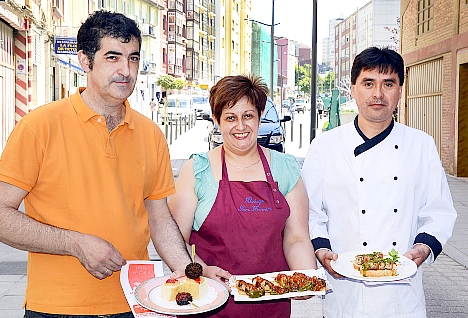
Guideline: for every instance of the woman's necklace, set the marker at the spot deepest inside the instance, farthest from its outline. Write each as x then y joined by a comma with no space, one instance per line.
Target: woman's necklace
242,168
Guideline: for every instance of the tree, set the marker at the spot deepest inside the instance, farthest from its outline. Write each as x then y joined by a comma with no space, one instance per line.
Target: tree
178,83
166,82
329,81
303,78
395,36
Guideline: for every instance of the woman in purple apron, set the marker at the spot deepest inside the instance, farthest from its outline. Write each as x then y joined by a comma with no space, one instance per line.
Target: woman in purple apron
229,205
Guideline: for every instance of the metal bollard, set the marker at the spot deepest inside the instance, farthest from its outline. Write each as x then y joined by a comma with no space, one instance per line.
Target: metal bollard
300,136
166,129
176,129
170,123
292,131
185,122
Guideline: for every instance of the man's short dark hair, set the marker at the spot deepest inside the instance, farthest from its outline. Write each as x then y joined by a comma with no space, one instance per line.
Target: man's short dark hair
102,24
385,60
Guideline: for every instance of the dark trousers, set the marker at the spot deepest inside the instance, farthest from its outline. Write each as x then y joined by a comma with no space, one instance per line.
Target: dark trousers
34,314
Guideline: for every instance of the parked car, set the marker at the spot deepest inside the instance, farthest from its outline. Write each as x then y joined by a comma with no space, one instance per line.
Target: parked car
202,106
286,103
270,134
179,106
301,105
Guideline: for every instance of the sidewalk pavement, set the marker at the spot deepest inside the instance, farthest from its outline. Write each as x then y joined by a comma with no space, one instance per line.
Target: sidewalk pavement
445,281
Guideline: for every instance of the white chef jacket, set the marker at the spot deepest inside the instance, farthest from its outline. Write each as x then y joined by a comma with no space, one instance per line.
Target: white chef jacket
375,201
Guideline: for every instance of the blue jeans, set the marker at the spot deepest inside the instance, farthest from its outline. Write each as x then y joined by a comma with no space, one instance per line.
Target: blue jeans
34,314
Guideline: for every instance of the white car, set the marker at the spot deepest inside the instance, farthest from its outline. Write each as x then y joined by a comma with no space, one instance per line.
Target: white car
301,105
180,105
202,106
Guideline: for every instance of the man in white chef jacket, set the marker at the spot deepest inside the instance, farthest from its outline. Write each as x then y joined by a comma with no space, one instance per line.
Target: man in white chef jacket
374,185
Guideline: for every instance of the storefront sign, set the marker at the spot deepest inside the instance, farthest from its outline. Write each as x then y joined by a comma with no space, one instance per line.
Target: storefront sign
65,45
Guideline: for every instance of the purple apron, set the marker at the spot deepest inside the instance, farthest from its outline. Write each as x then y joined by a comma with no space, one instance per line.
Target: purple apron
243,234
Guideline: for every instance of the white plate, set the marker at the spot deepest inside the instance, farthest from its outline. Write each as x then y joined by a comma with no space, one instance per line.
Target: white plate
148,294
320,273
344,266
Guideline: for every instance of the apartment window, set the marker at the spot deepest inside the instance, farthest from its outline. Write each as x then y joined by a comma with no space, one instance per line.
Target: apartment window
425,16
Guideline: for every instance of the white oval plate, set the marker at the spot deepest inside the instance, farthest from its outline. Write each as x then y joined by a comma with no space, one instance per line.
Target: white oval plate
344,266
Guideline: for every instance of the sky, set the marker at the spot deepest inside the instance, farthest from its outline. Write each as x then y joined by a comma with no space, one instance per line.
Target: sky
295,17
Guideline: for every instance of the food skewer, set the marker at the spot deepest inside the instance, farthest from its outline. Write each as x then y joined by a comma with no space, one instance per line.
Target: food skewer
193,253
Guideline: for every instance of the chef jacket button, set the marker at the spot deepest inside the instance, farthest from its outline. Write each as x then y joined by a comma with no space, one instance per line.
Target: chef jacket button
395,178
361,179
396,146
395,210
394,243
365,243
268,174
363,211
274,190
277,201
99,119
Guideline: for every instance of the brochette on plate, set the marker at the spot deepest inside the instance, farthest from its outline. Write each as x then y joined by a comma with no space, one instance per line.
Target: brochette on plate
240,295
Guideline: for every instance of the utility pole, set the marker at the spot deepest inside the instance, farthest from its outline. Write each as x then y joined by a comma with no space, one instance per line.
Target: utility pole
313,76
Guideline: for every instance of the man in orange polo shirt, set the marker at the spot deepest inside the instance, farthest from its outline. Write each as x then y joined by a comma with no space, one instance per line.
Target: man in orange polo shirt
94,176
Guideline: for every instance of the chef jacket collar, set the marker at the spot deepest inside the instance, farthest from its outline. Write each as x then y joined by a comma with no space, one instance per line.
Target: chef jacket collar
369,143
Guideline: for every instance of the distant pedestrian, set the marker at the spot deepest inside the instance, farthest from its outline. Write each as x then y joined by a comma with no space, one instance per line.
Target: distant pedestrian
376,185
152,107
320,107
94,175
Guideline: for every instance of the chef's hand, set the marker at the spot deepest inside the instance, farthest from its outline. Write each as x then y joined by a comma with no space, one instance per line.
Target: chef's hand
325,257
98,256
418,254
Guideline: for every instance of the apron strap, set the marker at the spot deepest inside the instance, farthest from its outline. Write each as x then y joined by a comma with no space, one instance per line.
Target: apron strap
277,196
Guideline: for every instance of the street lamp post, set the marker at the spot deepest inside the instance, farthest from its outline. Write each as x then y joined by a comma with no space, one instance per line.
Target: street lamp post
313,76
272,48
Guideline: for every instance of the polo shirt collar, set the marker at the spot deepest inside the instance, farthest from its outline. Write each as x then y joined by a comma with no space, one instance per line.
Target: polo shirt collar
86,113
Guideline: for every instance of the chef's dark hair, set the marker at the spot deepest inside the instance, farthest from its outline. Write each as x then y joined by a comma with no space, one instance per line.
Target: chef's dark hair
230,89
384,60
102,24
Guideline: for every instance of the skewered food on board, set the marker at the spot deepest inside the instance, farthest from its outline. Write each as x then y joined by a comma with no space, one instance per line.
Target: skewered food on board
282,284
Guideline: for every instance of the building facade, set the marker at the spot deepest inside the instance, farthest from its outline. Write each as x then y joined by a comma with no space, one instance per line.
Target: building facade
434,45
368,26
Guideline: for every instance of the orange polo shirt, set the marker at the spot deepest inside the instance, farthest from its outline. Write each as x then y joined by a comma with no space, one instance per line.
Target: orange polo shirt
81,177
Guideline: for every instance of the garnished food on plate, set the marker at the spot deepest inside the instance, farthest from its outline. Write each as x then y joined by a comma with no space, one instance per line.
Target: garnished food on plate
376,264
197,286
281,284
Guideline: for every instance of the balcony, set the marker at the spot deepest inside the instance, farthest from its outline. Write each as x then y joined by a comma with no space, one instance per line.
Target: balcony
148,66
148,30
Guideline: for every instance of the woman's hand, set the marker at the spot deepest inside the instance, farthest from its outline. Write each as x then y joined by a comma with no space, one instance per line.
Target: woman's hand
218,274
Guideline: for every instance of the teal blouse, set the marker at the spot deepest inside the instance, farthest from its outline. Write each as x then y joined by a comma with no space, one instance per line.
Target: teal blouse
284,167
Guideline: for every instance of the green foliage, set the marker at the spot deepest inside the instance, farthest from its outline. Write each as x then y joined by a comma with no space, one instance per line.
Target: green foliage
178,83
329,81
303,78
166,82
